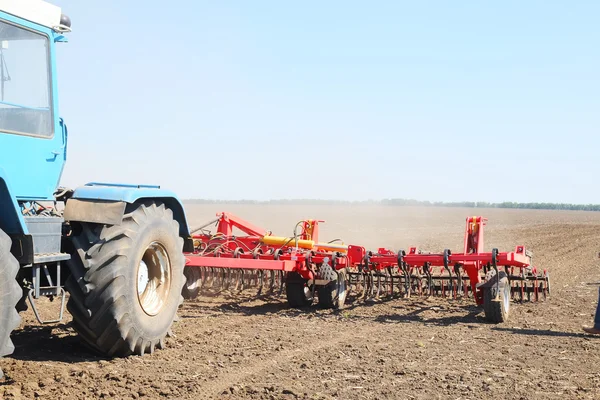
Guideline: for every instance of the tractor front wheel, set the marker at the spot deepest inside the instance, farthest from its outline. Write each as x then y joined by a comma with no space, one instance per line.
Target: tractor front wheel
126,281
10,294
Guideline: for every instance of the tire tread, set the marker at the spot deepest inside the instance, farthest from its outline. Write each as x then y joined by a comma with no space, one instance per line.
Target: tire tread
97,282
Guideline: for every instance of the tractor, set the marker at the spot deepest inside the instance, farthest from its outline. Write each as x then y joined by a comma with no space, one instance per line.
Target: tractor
112,254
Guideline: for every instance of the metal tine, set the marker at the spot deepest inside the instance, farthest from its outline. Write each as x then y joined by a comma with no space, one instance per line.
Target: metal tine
407,279
238,280
274,276
255,278
371,284
390,276
224,280
378,286
365,282
446,257
211,278
260,286
358,284
218,279
271,288
459,286
206,273
250,278
202,279
430,288
281,275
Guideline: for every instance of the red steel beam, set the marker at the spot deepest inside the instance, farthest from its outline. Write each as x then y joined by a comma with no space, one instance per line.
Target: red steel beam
239,263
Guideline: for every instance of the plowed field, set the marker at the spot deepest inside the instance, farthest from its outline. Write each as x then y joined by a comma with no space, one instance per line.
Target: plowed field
249,348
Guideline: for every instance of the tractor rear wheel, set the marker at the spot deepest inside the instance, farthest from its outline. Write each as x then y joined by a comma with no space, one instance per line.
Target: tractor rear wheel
126,281
333,295
496,309
10,294
297,291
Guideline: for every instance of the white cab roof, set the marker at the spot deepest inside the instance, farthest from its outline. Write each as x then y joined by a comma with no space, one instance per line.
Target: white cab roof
37,11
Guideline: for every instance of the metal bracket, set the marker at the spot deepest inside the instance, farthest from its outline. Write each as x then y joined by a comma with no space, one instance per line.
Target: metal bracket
62,293
55,289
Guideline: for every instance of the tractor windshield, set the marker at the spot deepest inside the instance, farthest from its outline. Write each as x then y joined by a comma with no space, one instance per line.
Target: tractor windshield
25,91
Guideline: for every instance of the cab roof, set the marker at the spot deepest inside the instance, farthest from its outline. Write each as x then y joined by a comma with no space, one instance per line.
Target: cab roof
37,11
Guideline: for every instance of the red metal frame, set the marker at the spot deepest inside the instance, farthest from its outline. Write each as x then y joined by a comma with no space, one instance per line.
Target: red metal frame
224,250
472,260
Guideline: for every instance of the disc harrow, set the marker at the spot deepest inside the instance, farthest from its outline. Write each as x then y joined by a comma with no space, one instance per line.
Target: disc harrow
305,269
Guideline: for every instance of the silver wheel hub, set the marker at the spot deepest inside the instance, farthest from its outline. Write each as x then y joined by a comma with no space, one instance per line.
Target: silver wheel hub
154,279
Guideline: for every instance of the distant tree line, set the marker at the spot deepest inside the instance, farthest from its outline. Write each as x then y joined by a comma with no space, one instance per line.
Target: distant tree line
483,204
409,202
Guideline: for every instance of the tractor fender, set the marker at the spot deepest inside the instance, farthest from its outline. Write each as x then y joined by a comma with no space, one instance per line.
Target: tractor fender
105,204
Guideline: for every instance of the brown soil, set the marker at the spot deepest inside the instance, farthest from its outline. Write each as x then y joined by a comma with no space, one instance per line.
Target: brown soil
249,348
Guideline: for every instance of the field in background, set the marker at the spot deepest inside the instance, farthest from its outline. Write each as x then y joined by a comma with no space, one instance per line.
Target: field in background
248,348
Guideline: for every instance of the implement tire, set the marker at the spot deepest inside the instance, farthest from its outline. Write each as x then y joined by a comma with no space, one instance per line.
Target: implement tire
126,281
10,294
297,292
497,311
333,295
193,282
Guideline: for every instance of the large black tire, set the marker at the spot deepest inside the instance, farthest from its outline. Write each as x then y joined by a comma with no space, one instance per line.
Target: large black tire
10,294
297,292
121,301
497,311
333,295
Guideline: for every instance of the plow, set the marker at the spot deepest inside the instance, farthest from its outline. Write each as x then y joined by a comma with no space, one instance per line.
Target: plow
239,256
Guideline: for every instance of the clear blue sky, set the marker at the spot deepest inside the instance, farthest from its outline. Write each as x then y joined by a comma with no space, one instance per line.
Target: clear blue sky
433,100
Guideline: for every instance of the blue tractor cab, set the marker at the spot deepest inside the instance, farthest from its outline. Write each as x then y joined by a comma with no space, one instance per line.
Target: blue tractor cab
116,249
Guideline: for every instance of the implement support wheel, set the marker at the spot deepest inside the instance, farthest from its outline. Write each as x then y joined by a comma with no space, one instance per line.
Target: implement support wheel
496,308
297,291
193,282
333,295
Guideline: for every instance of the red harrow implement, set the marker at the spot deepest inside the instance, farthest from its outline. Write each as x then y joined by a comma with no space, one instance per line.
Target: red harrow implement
306,269
492,278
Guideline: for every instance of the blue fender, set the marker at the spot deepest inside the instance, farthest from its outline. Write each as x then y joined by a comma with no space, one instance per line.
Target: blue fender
108,192
11,219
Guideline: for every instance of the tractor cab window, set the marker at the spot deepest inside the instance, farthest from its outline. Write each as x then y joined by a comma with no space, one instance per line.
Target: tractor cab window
25,88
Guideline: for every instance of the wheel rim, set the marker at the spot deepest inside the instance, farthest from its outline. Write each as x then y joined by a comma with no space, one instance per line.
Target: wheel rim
506,297
307,293
341,291
154,279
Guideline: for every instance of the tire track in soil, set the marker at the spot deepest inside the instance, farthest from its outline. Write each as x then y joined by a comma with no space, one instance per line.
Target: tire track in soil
238,375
